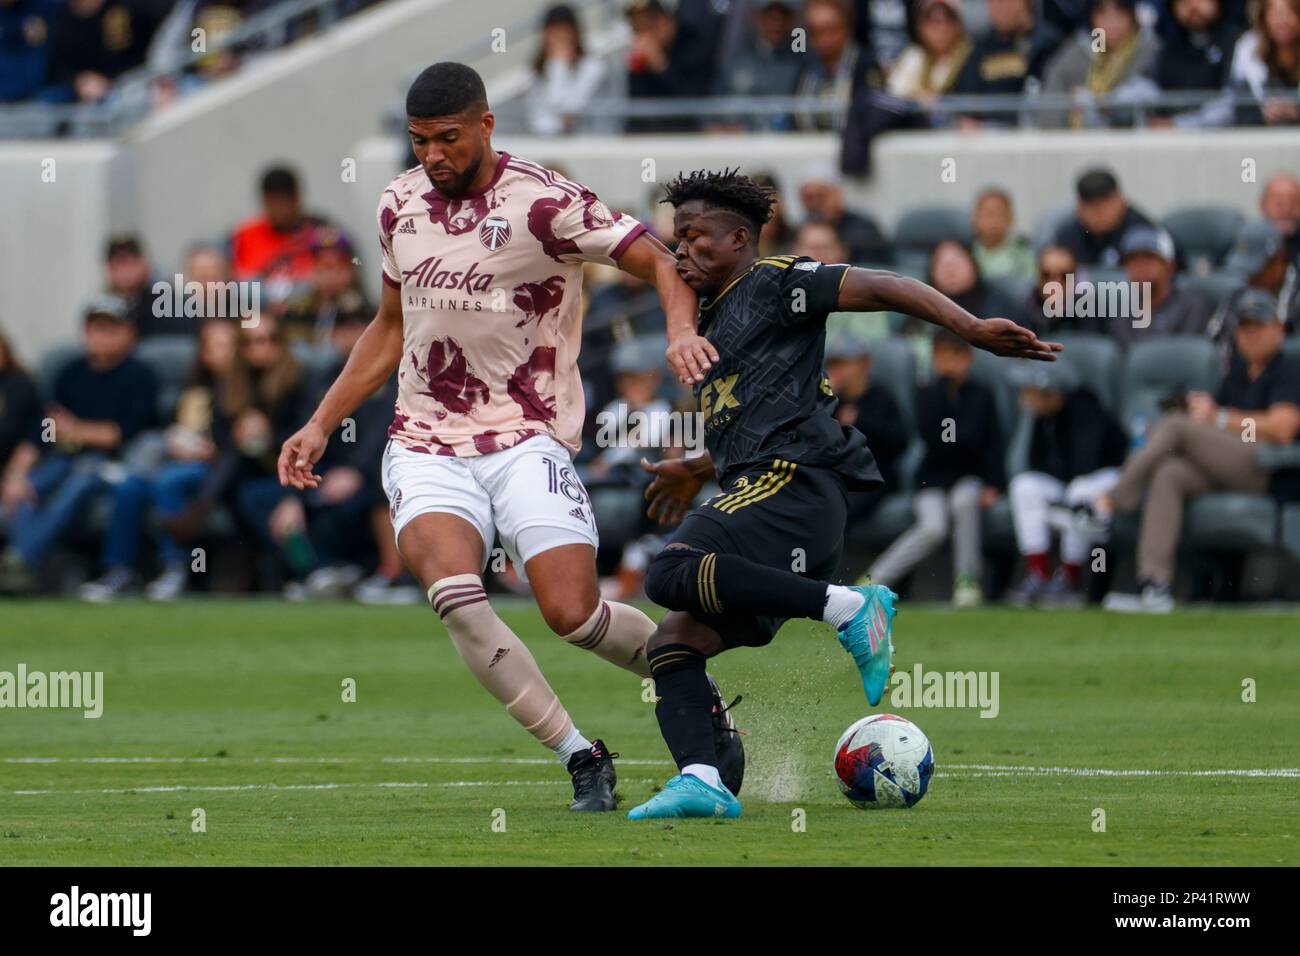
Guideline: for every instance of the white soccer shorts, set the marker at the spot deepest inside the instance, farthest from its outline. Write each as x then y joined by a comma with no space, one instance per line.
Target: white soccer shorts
532,487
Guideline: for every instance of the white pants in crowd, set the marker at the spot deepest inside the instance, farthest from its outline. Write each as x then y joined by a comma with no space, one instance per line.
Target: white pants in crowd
1032,493
938,513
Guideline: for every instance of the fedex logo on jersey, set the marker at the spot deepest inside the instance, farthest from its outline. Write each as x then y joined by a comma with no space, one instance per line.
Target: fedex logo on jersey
429,274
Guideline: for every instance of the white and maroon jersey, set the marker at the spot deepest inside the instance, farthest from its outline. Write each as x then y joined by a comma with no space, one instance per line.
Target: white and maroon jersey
491,287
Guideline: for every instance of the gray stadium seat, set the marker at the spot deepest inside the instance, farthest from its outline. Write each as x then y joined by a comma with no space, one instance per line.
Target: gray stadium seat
172,359
1099,363
1156,367
1231,521
52,362
1291,529
893,366
1204,234
1216,286
887,522
991,371
618,514
921,228
1292,346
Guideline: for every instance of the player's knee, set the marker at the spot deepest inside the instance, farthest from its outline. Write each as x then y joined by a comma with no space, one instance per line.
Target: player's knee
669,575
568,618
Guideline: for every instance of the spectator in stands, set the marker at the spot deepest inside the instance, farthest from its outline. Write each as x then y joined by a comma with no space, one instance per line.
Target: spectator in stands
565,76
24,43
777,233
1102,214
880,28
334,288
1075,452
262,403
93,42
640,414
1267,61
1196,54
835,65
822,197
1148,256
128,275
1044,312
347,515
276,246
1014,49
101,403
20,428
999,252
1261,260
959,476
871,410
1210,447
818,240
954,272
929,67
664,61
1113,71
1280,204
168,489
769,66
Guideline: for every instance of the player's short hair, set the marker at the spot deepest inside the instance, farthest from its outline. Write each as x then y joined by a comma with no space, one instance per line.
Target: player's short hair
727,190
446,89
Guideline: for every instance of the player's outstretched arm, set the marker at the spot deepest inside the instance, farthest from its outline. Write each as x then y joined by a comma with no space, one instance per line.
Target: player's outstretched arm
676,483
372,361
874,290
689,354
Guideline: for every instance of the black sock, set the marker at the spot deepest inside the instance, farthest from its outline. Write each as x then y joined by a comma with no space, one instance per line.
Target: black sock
685,703
747,587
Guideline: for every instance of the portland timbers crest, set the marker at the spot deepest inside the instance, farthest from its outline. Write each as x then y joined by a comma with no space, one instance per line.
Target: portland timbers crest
494,233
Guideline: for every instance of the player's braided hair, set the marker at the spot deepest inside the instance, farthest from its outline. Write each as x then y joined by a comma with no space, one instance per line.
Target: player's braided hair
724,190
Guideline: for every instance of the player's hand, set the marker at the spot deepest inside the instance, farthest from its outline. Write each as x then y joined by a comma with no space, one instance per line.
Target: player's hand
298,454
1004,337
674,487
690,357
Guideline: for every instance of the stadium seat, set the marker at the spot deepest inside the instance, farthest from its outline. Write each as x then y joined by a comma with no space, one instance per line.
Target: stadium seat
991,371
1099,363
53,362
1292,346
919,229
1170,364
618,514
1290,538
893,366
1231,521
1203,234
172,359
889,520
1216,286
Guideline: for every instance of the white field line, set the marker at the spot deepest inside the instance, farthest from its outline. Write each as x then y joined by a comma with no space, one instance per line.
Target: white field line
235,788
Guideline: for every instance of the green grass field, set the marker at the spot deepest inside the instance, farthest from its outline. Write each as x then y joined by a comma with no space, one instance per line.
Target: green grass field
236,707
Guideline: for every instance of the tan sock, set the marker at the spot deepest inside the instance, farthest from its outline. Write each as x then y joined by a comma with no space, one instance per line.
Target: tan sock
618,633
498,658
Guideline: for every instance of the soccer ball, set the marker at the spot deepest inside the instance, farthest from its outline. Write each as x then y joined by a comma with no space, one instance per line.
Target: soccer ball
883,761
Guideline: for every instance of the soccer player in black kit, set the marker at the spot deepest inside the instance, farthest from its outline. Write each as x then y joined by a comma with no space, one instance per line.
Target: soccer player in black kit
784,464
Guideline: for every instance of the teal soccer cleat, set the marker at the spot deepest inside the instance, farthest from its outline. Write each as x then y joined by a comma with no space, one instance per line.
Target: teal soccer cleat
687,796
868,636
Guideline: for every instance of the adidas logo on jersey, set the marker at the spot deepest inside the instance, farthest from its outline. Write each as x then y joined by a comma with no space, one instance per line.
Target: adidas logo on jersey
407,227
578,513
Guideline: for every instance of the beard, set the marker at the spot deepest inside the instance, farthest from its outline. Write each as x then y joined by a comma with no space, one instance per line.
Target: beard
458,184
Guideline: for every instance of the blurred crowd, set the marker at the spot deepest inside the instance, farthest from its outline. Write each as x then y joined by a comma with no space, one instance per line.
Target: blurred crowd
142,459
75,51
893,61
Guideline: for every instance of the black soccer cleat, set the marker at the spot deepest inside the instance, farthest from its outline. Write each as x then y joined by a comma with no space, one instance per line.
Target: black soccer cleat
594,778
727,745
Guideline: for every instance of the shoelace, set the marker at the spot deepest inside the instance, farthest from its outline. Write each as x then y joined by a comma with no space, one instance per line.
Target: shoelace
722,710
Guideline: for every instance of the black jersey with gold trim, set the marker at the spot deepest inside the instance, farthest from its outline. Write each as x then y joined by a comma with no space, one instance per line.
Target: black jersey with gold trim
768,397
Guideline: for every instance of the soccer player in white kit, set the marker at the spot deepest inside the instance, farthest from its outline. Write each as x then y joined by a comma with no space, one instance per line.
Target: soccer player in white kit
481,316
